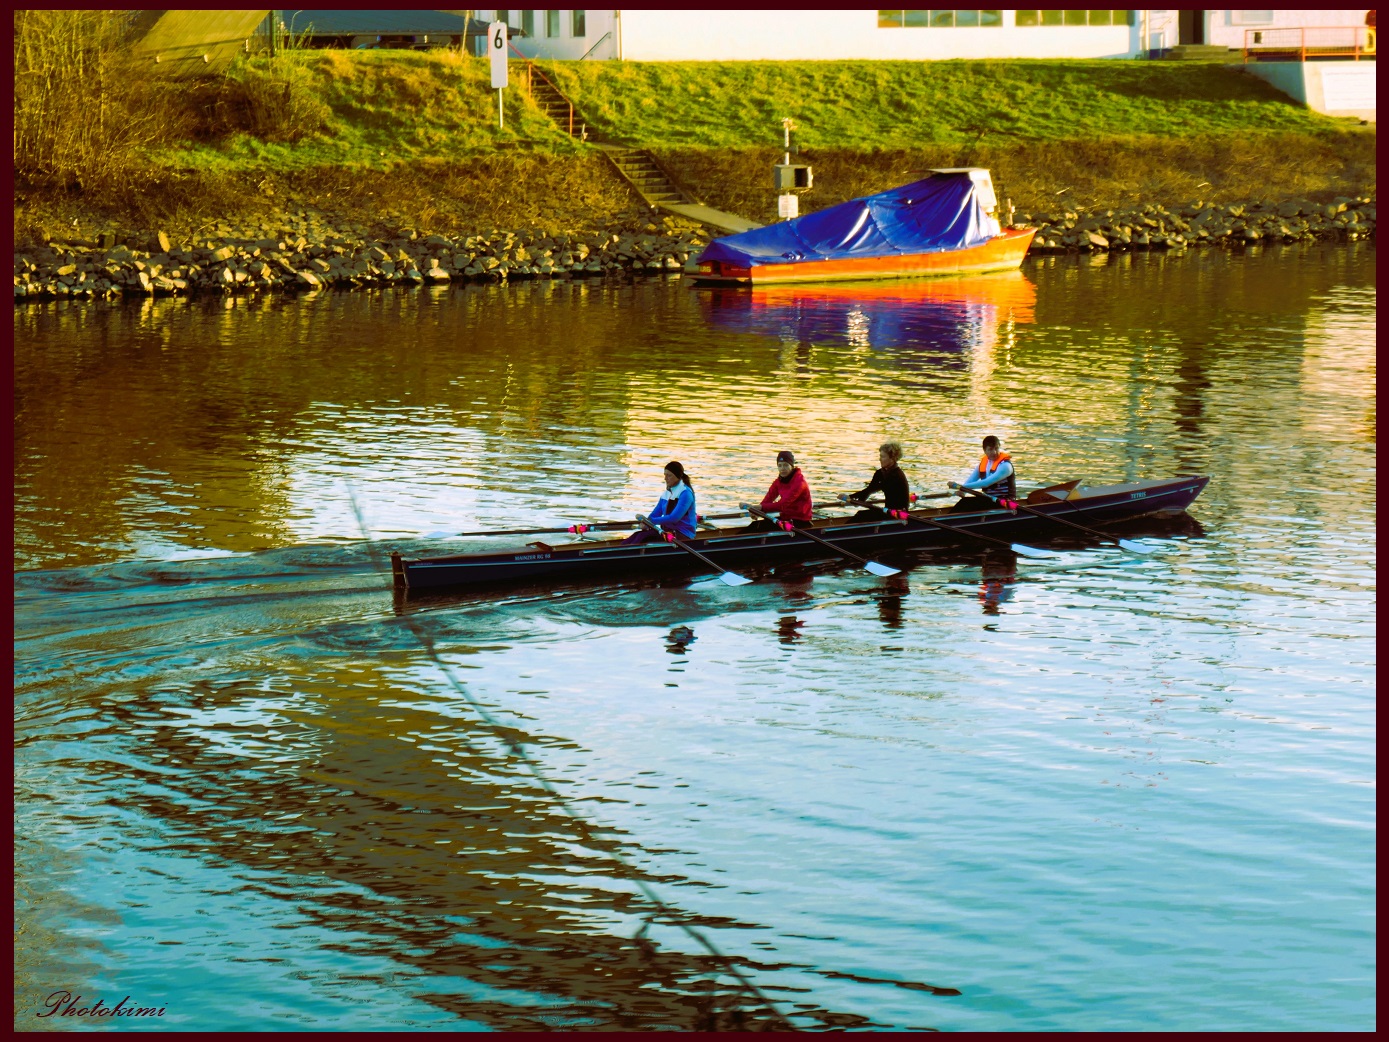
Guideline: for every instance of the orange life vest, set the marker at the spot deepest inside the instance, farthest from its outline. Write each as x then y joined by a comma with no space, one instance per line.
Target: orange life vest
1007,486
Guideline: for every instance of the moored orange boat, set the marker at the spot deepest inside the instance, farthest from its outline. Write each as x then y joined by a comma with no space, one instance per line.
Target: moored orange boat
941,225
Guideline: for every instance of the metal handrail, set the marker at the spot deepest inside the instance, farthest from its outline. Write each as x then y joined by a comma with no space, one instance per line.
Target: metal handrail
532,71
595,46
1294,41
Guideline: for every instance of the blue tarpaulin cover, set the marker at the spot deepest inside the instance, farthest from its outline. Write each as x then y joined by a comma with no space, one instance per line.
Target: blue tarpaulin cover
939,213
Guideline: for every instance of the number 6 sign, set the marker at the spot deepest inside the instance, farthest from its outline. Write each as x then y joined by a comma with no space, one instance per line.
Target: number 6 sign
497,41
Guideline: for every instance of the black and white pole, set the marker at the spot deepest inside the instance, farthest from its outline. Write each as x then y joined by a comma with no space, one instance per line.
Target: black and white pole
497,39
787,204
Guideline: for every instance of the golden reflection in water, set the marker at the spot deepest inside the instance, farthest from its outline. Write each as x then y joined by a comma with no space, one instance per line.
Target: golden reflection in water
197,422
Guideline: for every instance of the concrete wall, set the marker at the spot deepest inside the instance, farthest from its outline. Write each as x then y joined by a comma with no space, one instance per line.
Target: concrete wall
192,43
1336,88
811,35
798,35
567,46
1227,28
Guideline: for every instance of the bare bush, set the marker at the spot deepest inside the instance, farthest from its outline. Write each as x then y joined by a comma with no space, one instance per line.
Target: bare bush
83,109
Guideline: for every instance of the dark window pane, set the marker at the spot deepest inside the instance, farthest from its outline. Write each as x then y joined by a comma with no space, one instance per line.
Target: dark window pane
504,16
1052,17
889,19
528,22
915,18
1028,17
991,17
966,19
1075,17
1121,17
1098,17
942,19
576,23
552,23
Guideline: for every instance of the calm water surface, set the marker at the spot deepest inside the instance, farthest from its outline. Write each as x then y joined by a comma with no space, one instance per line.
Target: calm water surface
1095,792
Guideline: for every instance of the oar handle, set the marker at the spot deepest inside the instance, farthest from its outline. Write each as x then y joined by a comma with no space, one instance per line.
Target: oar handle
579,528
847,498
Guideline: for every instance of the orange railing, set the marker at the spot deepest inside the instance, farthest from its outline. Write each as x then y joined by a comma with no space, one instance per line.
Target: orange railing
532,73
1320,41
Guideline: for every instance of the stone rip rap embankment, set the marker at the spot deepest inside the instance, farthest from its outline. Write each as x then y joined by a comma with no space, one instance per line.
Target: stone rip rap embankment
1200,224
298,256
293,257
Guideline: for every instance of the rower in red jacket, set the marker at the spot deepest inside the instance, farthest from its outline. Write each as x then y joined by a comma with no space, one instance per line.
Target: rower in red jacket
789,496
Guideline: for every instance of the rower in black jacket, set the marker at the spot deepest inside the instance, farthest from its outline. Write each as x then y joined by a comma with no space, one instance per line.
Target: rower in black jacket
887,479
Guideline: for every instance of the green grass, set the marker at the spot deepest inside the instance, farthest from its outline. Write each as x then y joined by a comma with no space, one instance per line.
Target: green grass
381,109
892,104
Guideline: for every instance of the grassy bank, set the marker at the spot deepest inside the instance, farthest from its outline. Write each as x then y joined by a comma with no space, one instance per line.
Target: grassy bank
382,139
870,105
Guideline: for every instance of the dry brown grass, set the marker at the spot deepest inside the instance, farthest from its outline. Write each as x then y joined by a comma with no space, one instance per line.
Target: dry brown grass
509,190
83,111
519,189
1041,176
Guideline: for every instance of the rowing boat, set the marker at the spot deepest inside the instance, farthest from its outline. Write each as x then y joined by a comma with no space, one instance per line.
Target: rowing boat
735,548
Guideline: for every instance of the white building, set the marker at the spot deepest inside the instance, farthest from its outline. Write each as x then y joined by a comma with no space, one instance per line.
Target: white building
792,35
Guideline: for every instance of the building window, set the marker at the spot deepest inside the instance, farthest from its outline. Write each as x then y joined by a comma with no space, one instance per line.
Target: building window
576,24
1251,17
528,22
504,16
1030,18
552,24
938,19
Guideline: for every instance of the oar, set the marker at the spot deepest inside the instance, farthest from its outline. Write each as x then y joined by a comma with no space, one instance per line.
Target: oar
847,498
727,578
1017,548
1126,544
580,529
872,566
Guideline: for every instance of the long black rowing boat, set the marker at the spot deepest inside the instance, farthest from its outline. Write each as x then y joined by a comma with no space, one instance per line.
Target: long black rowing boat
735,548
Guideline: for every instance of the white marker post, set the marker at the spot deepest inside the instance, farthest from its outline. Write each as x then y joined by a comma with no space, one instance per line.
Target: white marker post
497,37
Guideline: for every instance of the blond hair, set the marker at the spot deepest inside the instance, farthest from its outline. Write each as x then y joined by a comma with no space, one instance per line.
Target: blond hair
893,449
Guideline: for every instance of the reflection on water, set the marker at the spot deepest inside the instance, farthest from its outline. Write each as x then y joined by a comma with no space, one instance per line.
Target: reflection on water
253,787
909,324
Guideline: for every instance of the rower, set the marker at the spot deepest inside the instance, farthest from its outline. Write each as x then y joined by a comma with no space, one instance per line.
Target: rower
789,495
675,510
994,476
887,479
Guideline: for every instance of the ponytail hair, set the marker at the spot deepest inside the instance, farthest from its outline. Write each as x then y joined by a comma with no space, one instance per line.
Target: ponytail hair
675,468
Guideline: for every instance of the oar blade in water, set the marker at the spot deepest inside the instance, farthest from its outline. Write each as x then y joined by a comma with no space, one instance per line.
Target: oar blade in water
1134,548
881,569
1032,551
734,579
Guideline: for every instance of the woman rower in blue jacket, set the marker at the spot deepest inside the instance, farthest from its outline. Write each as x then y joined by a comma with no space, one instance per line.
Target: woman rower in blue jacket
675,510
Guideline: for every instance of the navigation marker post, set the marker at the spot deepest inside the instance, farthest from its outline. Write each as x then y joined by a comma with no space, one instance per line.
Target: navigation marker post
789,178
497,43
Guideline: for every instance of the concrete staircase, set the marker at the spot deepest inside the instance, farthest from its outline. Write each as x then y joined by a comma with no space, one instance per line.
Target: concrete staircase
550,101
642,171
1201,52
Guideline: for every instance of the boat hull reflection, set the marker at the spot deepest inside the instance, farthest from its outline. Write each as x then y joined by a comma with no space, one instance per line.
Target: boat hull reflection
946,315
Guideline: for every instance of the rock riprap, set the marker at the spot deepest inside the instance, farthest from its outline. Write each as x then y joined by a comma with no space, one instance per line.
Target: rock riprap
1152,227
262,261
